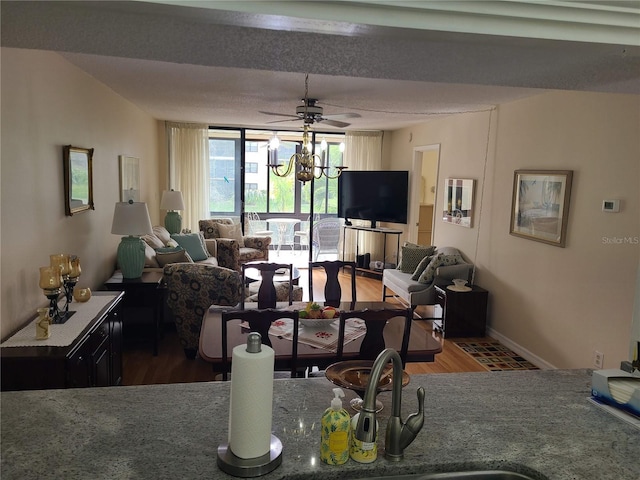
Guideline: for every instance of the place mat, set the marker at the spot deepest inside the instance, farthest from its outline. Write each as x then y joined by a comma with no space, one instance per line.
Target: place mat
495,357
325,337
63,334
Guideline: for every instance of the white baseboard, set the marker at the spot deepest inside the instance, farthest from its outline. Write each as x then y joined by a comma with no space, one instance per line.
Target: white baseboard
520,350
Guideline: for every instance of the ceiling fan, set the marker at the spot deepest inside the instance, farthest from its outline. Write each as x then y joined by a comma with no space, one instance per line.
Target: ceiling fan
309,112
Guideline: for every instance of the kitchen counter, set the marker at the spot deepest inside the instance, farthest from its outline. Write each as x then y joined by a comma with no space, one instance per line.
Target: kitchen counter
535,422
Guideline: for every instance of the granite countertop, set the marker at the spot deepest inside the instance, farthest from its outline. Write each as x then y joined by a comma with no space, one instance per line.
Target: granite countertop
535,422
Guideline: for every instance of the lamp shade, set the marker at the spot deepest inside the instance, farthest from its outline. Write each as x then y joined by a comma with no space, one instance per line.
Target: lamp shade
171,200
131,218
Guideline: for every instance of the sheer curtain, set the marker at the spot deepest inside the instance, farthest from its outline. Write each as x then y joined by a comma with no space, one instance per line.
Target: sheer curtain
363,151
189,169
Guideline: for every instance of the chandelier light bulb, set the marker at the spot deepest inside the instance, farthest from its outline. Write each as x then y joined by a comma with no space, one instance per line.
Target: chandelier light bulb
274,143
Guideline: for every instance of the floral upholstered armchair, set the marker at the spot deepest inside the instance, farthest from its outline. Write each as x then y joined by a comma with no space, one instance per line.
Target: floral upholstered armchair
191,289
234,249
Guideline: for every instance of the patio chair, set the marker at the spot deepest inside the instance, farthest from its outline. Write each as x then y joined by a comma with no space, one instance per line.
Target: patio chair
326,237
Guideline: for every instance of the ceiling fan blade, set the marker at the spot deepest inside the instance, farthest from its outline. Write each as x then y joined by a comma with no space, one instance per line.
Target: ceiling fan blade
341,115
293,119
334,123
279,114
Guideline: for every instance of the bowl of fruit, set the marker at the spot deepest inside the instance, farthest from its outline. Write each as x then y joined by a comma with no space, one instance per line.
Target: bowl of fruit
316,316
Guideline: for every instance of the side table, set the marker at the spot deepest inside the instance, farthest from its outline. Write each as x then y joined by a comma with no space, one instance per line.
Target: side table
142,295
464,313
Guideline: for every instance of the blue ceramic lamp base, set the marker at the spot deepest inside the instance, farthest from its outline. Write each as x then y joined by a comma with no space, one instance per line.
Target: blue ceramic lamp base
131,257
173,222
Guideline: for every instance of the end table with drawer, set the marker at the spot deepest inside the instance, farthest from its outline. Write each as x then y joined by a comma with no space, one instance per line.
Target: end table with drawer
143,305
464,313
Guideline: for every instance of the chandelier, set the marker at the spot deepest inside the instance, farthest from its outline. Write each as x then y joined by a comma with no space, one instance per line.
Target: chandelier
308,165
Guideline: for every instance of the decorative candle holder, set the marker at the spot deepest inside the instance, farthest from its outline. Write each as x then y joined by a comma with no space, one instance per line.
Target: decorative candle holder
42,324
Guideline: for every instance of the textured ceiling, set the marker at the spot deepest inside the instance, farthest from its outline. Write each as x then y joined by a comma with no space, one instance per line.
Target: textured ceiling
222,67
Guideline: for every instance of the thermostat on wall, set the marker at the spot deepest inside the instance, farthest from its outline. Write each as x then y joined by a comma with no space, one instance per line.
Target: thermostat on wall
611,205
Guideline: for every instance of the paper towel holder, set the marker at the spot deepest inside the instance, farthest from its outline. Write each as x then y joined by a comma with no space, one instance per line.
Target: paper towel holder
250,467
230,463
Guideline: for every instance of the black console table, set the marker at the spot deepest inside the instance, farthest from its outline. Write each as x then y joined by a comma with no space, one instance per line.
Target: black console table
379,230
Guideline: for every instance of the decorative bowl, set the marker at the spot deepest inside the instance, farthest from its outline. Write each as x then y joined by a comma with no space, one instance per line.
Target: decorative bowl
81,294
317,322
459,282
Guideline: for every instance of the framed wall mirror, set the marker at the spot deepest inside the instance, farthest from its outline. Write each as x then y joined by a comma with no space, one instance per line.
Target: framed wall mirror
458,201
78,179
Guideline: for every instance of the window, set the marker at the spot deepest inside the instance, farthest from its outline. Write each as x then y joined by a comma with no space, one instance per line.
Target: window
263,191
224,172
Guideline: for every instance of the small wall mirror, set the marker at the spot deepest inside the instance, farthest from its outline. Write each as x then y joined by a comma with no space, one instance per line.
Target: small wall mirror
78,179
458,201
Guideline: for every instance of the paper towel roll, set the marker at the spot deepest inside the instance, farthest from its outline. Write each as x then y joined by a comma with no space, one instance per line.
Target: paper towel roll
251,402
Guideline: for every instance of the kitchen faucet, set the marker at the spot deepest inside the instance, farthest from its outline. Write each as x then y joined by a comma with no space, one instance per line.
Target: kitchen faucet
399,435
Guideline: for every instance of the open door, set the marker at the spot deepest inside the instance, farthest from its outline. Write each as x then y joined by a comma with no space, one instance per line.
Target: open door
422,196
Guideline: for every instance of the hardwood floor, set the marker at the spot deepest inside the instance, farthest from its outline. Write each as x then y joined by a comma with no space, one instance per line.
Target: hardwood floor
171,365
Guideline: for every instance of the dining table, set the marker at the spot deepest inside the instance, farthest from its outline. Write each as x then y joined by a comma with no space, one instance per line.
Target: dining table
423,344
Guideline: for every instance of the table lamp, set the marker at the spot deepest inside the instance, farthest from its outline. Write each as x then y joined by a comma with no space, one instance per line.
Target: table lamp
171,201
131,219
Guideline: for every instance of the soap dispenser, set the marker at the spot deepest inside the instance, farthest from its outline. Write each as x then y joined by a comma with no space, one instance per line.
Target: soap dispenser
336,432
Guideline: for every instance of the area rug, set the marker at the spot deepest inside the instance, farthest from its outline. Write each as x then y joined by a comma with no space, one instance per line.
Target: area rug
495,357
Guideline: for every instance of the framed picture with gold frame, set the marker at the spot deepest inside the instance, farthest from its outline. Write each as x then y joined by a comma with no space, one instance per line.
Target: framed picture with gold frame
78,179
540,205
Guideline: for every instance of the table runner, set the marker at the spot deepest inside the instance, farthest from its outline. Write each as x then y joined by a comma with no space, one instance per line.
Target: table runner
325,337
62,335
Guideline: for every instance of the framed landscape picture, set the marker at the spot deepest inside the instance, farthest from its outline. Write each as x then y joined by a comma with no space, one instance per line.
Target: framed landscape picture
540,205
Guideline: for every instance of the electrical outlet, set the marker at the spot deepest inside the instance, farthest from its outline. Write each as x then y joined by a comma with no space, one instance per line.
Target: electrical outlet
598,359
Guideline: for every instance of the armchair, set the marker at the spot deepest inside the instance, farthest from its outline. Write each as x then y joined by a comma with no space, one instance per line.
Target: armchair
233,248
193,288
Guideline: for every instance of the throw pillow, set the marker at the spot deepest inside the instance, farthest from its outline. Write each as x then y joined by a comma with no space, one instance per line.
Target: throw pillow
150,257
231,231
174,255
153,241
421,266
193,244
439,260
162,233
412,255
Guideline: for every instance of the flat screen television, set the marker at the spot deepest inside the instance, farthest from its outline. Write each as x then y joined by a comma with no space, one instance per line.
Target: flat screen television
377,196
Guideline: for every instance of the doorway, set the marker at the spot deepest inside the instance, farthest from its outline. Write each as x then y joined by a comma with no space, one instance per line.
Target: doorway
424,189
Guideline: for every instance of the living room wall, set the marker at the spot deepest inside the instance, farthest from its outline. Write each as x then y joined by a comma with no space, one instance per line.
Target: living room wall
47,103
553,305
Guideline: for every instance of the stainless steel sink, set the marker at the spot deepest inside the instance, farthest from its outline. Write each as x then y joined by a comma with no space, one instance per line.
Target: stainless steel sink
471,475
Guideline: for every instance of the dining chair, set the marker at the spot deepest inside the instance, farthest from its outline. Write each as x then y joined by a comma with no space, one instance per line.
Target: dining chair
376,322
332,288
259,321
267,291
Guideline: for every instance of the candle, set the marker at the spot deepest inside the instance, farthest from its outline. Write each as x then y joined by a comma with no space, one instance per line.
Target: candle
50,278
61,260
75,267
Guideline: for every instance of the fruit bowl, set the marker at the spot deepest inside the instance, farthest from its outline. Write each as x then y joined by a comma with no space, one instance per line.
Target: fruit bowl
317,322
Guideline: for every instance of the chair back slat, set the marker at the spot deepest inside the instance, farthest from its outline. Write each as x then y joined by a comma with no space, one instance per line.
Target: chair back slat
267,295
332,287
258,321
376,321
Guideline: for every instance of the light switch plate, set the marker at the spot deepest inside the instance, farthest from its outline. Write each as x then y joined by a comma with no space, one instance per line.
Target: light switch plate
612,206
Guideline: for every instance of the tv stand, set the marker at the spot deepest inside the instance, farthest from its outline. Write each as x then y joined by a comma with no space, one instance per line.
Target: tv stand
380,230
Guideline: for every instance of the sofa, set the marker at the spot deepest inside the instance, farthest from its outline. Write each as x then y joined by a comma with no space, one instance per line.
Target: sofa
233,248
163,248
420,269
